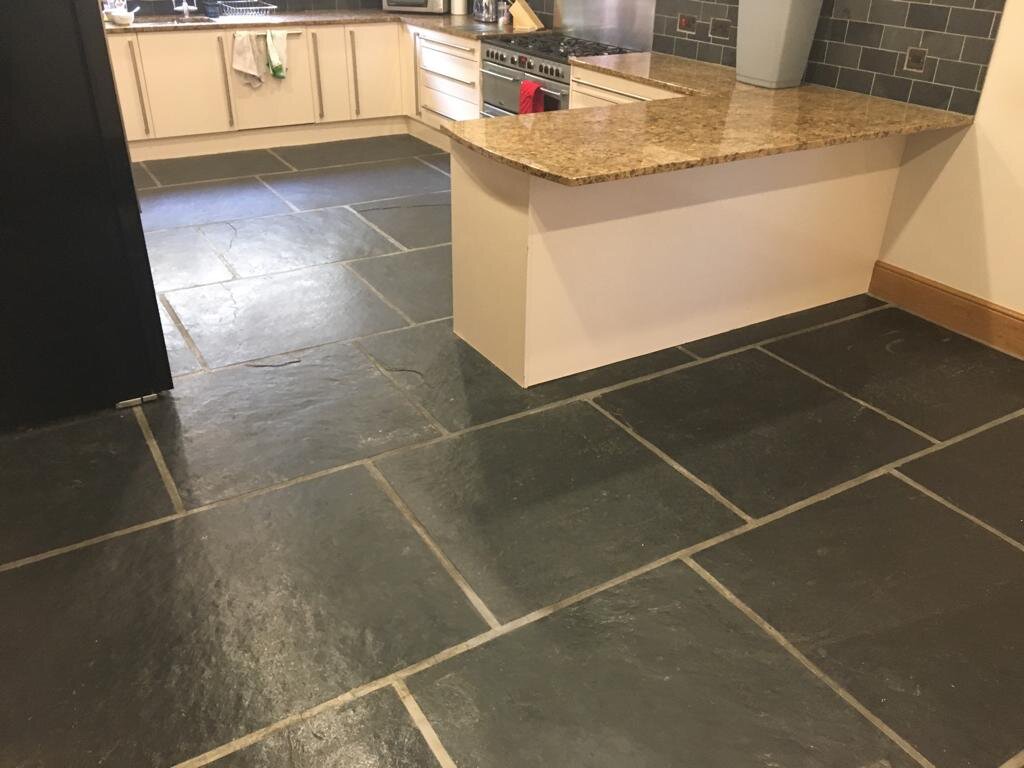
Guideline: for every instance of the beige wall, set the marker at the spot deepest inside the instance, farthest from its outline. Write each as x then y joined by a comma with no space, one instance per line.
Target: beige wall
958,213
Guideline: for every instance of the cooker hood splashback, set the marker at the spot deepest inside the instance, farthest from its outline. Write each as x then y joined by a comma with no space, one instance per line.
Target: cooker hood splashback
627,23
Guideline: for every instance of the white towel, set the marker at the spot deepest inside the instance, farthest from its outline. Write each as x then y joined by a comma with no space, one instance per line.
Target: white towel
277,53
246,58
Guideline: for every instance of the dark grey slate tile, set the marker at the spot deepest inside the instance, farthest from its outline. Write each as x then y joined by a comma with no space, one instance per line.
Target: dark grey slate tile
179,355
778,326
256,247
933,379
155,647
415,222
417,282
228,165
909,606
539,508
71,481
983,475
309,156
763,434
245,428
193,204
659,671
183,258
260,316
372,732
141,177
441,162
460,387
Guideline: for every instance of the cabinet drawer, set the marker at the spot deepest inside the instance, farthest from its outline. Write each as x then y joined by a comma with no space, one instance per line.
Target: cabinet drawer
450,74
615,89
445,84
581,99
438,108
453,46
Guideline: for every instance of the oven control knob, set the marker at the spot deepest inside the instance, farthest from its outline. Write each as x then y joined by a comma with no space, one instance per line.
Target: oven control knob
529,64
502,57
558,73
543,69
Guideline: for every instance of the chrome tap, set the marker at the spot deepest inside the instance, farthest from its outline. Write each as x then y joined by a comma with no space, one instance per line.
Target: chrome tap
185,9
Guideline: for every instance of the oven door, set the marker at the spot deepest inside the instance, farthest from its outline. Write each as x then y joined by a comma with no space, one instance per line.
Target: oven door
501,89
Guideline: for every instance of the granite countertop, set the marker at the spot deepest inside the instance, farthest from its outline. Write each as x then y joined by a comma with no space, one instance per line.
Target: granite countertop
461,26
719,121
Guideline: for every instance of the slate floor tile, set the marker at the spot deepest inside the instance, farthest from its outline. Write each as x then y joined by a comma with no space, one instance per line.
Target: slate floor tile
248,427
179,355
442,162
537,509
74,480
155,647
357,183
194,204
415,222
260,316
372,732
660,671
417,282
983,475
931,378
308,156
763,434
256,247
461,388
183,258
909,606
227,165
796,321
141,177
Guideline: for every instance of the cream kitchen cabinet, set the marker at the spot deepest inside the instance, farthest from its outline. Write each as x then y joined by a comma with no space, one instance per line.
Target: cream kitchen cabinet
278,101
597,89
331,79
187,81
447,78
375,70
129,79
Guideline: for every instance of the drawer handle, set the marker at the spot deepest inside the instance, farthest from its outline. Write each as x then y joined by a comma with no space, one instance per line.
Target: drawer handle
319,82
498,74
470,83
439,114
465,48
416,69
588,84
355,66
227,85
138,86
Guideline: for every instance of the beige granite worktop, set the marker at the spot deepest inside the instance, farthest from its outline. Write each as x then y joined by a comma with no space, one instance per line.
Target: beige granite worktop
461,26
719,121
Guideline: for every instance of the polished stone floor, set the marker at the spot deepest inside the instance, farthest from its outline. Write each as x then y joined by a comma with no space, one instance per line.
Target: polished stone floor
344,539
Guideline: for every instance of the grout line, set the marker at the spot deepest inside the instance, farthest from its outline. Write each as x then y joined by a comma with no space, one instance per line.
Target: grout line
854,398
152,175
278,157
373,289
373,226
811,667
185,335
279,196
449,566
361,259
1017,761
158,458
704,486
223,254
389,375
950,505
431,165
421,721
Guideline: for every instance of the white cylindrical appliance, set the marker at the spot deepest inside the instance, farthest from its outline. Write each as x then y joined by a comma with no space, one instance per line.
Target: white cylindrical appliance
460,7
774,40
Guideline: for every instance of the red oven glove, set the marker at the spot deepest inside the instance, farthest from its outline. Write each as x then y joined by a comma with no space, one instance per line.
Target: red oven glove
530,97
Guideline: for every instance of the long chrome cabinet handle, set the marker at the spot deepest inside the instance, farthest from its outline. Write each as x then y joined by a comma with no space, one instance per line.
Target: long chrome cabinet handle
497,74
416,69
319,82
138,86
606,89
227,85
470,83
439,114
355,67
559,94
465,48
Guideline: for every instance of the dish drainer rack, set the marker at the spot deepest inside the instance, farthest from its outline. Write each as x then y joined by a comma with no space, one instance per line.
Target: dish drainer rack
246,8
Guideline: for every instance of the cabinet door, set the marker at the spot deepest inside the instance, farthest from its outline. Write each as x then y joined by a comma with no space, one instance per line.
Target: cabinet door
375,70
329,51
187,79
130,82
284,101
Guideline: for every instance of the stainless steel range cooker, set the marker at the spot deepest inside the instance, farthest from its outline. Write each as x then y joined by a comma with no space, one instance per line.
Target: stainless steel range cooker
542,57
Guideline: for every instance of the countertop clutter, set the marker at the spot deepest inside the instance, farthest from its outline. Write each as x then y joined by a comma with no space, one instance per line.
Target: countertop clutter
715,120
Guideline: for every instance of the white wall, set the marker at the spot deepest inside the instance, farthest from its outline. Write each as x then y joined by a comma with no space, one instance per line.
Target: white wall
958,213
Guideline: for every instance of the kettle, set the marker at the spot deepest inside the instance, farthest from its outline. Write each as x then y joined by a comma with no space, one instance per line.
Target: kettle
485,10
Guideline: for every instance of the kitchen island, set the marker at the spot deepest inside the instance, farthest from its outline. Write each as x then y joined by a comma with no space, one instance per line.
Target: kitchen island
585,237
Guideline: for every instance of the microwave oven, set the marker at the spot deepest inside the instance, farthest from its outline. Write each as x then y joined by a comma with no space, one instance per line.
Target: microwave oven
418,6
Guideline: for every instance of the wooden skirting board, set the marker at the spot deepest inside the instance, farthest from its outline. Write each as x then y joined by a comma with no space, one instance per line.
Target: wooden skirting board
979,319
